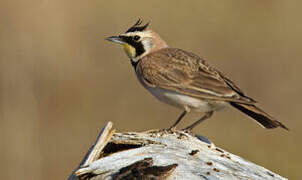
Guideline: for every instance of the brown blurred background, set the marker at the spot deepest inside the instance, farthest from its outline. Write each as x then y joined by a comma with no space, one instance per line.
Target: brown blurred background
60,81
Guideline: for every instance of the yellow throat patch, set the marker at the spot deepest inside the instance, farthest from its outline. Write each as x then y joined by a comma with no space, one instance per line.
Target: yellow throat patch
130,51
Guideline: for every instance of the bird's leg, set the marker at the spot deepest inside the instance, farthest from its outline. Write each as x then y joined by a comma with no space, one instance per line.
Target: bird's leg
178,120
206,116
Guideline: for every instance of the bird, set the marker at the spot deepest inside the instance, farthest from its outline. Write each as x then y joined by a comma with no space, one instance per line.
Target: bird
183,79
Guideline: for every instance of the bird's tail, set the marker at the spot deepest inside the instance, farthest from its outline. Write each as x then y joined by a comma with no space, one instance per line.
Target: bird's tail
260,116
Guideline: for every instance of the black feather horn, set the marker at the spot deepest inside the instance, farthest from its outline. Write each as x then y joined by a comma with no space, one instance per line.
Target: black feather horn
136,26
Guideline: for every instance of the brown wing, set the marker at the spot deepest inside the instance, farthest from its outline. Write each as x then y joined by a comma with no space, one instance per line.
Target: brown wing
186,73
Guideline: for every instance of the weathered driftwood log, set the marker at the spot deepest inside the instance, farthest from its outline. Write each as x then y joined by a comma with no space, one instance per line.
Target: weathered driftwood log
163,155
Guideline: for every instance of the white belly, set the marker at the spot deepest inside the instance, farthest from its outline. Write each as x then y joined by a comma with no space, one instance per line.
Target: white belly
182,101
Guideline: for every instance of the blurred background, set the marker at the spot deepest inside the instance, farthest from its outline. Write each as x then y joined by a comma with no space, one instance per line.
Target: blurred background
60,81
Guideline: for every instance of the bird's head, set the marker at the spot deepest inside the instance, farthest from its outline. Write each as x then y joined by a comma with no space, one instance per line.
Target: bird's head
139,41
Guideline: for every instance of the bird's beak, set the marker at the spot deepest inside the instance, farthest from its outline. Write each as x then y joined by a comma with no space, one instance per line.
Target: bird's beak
115,39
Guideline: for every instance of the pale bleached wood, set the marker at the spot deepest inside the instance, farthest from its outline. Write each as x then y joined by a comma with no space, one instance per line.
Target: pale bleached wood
95,150
101,142
185,156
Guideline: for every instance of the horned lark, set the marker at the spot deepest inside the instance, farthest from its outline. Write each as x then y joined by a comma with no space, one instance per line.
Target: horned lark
183,79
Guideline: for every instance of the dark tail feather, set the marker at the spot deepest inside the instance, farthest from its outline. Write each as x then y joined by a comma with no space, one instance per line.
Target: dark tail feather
260,116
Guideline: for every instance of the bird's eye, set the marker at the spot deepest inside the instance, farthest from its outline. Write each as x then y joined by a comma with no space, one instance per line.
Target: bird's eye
136,38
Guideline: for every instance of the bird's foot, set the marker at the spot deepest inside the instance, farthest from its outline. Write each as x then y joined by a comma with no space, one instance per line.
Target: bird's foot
169,130
188,131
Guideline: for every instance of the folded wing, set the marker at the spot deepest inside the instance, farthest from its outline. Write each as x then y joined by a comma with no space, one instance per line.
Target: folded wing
186,73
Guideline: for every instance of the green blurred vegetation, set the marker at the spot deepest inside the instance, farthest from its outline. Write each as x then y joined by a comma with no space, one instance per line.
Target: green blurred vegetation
60,81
